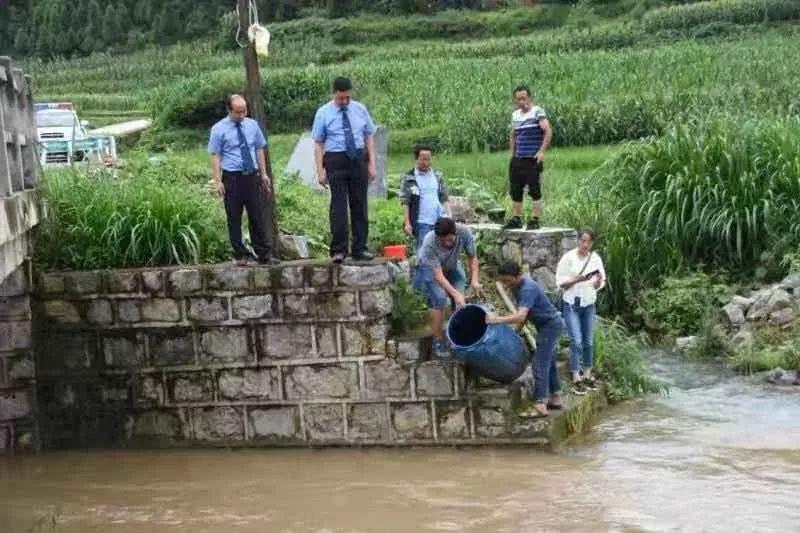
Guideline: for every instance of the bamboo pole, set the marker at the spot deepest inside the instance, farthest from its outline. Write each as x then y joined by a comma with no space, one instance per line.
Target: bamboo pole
526,329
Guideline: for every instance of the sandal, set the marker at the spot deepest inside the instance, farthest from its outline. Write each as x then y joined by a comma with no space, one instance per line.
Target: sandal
533,412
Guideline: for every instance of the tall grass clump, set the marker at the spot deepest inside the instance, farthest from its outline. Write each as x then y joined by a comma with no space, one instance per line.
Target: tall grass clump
619,360
98,222
733,11
722,195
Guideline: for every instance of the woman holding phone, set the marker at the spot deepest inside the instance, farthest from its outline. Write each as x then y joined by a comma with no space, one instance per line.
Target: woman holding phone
580,274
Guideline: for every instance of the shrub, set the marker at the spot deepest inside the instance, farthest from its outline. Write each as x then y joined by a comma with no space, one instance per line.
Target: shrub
680,306
409,309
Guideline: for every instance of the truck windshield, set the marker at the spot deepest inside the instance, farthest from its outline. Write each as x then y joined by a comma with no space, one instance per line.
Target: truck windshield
55,119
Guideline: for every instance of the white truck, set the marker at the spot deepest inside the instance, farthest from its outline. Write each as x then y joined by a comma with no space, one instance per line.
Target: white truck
63,138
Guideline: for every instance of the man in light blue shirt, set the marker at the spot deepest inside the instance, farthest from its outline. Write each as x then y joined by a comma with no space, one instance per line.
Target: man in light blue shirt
423,195
241,176
345,159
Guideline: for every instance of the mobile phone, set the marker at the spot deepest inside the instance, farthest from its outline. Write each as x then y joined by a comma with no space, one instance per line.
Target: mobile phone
591,274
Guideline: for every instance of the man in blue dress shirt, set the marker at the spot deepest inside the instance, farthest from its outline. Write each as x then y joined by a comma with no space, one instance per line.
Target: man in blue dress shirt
345,159
238,163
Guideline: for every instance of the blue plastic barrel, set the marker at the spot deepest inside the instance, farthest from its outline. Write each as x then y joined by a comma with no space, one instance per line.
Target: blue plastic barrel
493,351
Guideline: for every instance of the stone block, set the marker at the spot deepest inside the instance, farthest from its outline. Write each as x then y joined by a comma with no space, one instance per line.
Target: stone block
321,382
336,305
171,347
15,308
262,278
292,277
149,390
528,429
152,281
453,421
194,387
15,284
210,309
568,242
157,424
743,302
324,422
734,314
82,283
320,277
128,311
368,421
295,305
767,302
511,251
252,307
434,379
490,423
99,312
218,423
229,278
15,404
364,339
782,317
225,345
15,335
20,368
120,281
282,341
123,350
114,391
387,379
411,350
462,209
52,283
62,312
539,253
249,384
412,421
185,281
364,276
545,277
161,310
70,351
376,303
276,423
327,341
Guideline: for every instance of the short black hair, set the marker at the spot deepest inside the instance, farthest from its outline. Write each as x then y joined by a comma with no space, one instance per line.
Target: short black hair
444,226
421,148
586,231
522,87
342,84
509,268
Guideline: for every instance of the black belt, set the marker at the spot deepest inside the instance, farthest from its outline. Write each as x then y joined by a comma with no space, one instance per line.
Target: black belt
240,172
359,153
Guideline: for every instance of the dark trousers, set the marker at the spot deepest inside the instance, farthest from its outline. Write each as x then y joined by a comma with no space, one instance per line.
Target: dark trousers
348,181
246,191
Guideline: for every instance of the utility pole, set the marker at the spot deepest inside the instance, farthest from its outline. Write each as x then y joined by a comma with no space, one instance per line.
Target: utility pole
255,104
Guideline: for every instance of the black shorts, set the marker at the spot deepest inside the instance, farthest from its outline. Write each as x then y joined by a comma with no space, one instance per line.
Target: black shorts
522,172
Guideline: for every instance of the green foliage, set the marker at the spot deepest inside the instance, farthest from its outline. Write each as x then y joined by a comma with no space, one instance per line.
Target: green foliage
102,222
723,195
680,305
409,309
619,361
386,223
731,11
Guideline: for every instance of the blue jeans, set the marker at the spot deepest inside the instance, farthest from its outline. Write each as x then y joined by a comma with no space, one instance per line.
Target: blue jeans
435,295
546,380
421,230
580,325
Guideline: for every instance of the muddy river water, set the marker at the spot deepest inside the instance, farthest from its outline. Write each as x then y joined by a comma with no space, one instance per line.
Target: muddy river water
721,453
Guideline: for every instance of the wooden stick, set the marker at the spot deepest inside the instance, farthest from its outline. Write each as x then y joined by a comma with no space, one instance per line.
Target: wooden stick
526,330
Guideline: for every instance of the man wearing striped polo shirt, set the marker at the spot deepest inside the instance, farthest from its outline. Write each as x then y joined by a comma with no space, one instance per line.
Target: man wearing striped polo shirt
530,137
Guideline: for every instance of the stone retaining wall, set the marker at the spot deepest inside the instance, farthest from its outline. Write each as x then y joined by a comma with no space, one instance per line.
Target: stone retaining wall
218,355
17,369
